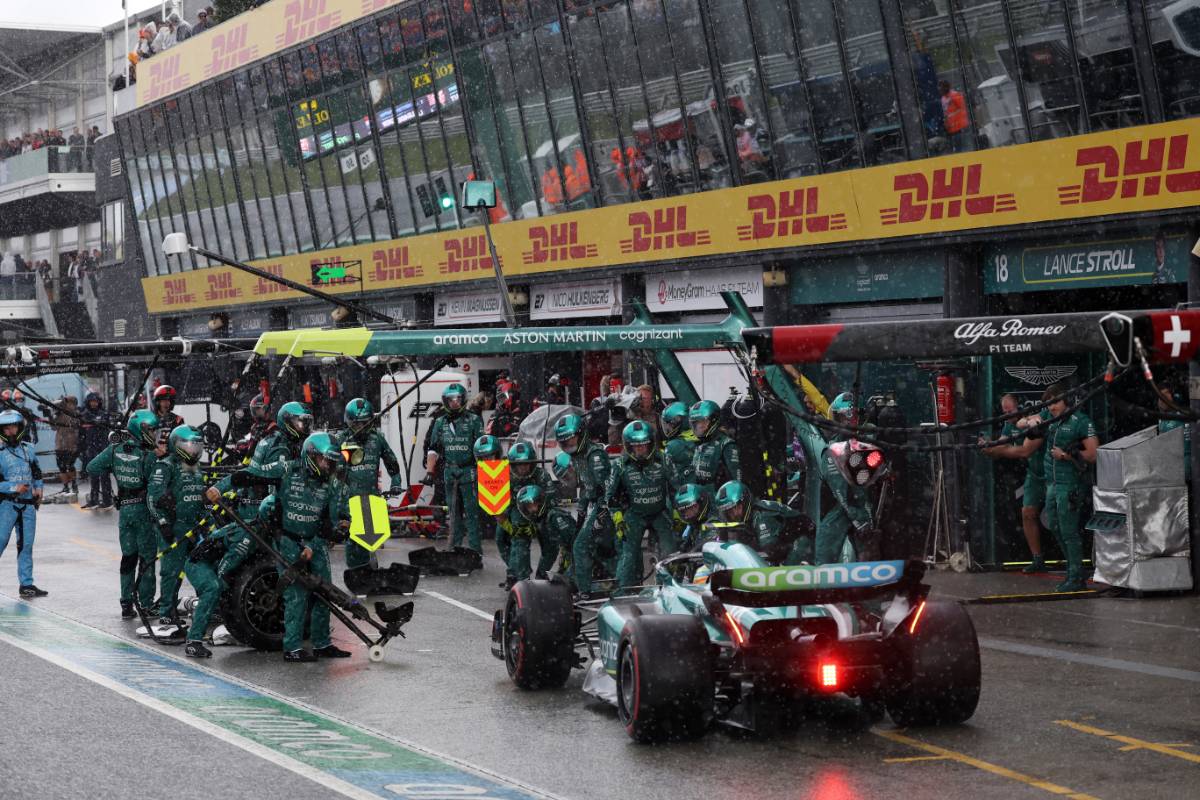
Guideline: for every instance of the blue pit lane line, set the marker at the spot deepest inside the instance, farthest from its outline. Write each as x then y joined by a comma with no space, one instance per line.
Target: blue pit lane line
348,759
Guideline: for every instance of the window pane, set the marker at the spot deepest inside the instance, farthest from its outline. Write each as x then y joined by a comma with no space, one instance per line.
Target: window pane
1178,69
571,173
279,136
792,151
387,112
837,134
221,183
622,55
993,95
871,72
751,133
1104,44
935,59
525,192
1044,64
139,188
204,172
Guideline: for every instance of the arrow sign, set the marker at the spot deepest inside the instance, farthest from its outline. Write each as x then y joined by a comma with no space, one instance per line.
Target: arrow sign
327,273
493,488
370,525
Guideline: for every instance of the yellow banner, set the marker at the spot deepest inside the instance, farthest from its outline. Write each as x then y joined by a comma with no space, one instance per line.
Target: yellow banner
248,37
1147,168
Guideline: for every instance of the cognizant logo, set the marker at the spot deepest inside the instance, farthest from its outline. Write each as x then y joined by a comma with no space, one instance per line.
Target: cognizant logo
825,576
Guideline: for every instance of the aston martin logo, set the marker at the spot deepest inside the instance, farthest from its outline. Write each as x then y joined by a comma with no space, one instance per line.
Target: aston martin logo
1041,376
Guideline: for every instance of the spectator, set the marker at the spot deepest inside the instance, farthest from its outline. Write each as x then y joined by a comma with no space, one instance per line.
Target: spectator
77,144
90,148
47,278
91,265
66,440
165,38
954,110
94,422
71,284
145,48
183,31
8,271
24,278
202,23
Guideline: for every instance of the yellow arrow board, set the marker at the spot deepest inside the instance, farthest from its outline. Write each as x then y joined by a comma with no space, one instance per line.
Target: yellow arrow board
370,525
492,479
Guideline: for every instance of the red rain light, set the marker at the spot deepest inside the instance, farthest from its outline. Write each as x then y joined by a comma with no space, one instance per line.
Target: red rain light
912,626
735,629
829,676
874,459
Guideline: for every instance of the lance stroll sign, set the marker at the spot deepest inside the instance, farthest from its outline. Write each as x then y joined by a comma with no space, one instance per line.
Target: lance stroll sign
1158,260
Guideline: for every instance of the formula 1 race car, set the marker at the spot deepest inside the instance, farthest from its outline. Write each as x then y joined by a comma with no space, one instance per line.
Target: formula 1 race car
722,636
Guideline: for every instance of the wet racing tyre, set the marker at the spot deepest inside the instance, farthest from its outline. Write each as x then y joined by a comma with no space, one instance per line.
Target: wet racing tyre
937,676
252,606
664,678
539,634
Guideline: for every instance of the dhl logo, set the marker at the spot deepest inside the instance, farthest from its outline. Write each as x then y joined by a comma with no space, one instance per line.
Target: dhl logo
175,292
263,286
556,243
788,213
954,190
392,264
665,229
220,287
165,77
304,19
466,254
1141,172
371,6
230,50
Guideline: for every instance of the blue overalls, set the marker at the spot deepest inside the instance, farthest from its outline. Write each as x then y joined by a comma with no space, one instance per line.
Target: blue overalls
18,465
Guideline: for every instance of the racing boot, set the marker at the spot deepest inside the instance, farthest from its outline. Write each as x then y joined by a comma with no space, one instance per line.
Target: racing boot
299,657
1038,564
127,611
1074,552
197,650
331,651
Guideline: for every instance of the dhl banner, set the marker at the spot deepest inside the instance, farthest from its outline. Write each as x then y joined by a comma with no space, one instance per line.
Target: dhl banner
491,477
248,37
1148,168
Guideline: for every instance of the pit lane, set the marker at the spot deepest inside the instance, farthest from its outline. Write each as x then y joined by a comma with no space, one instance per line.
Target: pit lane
1088,698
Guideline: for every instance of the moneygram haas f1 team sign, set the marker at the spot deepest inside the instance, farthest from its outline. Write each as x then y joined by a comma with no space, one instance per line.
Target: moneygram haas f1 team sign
1166,336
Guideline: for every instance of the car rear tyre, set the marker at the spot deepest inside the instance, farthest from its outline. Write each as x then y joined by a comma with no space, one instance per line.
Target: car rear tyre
664,678
252,607
936,680
539,634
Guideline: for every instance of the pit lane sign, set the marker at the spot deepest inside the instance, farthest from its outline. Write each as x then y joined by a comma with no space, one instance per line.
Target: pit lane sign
370,525
1120,262
575,300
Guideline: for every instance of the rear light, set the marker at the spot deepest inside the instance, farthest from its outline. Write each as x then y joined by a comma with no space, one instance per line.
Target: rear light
827,677
735,630
916,617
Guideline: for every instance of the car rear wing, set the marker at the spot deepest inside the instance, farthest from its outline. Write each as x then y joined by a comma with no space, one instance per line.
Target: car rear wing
766,587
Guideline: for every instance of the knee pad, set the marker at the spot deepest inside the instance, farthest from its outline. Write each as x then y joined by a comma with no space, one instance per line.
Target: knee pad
129,564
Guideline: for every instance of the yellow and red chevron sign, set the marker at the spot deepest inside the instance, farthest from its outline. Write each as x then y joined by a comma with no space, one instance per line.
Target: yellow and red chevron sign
494,493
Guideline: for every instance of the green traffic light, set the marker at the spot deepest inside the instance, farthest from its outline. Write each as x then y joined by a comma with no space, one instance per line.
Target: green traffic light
447,201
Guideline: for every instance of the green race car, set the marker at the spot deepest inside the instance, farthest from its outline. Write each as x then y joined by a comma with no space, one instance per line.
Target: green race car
721,636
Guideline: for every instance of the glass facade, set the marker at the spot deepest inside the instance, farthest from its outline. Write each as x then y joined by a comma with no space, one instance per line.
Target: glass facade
365,134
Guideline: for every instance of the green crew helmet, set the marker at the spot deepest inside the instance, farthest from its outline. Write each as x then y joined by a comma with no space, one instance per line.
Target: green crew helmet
359,414
733,501
487,448
638,438
268,510
705,418
295,420
562,467
454,399
142,425
842,410
674,417
522,459
532,502
321,455
571,433
691,501
186,443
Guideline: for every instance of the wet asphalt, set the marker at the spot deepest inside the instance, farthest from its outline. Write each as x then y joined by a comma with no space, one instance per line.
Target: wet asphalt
1084,698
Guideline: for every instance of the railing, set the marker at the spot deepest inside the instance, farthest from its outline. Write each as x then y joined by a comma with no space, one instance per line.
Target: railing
18,287
44,161
43,301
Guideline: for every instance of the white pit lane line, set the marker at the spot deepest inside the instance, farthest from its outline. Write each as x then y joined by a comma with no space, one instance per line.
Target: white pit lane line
458,604
348,759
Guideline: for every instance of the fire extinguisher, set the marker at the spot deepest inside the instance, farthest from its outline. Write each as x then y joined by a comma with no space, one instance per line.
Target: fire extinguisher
945,398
